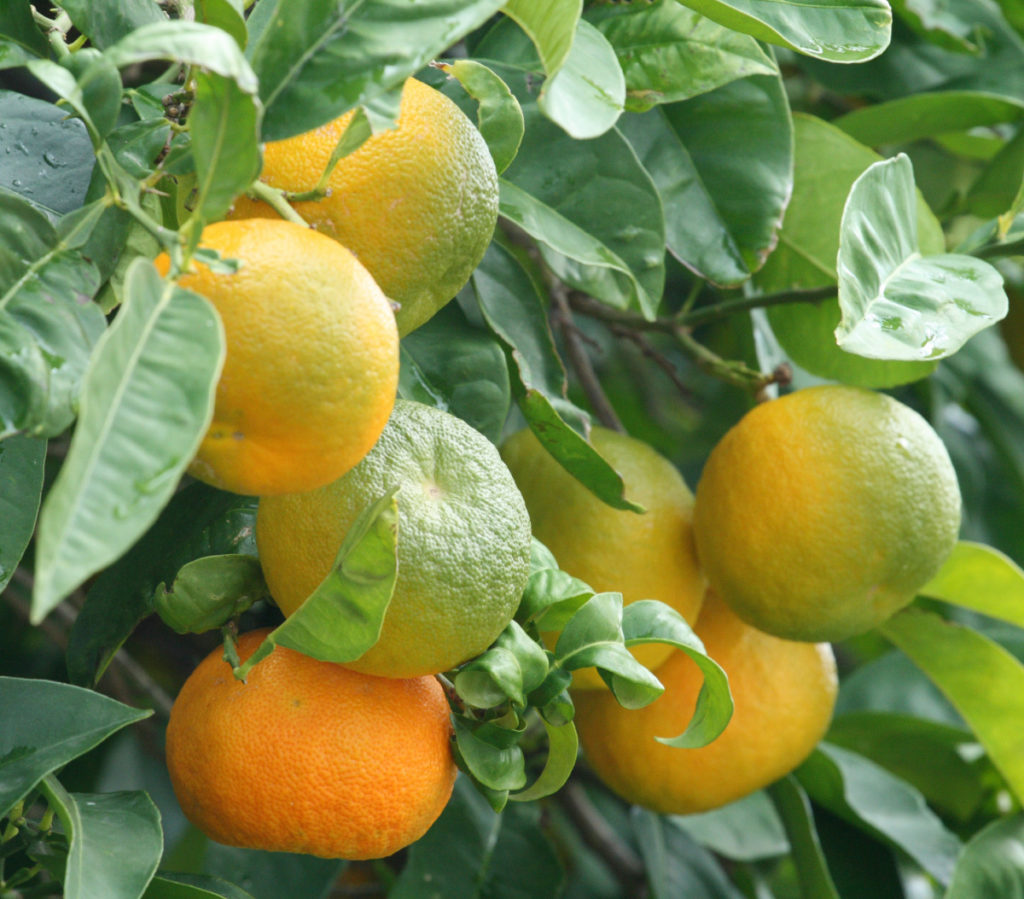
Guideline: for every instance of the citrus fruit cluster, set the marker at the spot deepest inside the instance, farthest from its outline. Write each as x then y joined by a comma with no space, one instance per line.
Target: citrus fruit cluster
817,516
348,761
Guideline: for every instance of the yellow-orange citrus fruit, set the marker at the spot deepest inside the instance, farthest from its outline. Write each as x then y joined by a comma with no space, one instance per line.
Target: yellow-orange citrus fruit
311,366
463,541
642,556
821,514
308,756
784,693
417,204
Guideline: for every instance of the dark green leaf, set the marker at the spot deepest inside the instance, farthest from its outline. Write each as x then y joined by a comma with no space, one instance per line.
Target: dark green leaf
146,401
210,591
897,304
458,368
48,157
497,764
948,25
794,810
115,841
965,665
866,795
271,875
320,59
46,725
723,164
999,185
992,863
105,23
834,30
20,38
746,830
342,618
198,521
192,886
21,485
669,53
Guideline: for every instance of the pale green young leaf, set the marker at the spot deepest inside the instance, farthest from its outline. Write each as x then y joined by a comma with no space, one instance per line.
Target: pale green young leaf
146,401
897,304
550,26
983,579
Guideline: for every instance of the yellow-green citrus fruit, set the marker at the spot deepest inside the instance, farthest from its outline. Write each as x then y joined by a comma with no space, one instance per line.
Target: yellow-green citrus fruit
784,693
311,364
821,514
308,756
417,204
463,541
642,556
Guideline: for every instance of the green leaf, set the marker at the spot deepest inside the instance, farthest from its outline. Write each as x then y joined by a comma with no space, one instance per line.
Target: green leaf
586,96
271,875
48,157
1000,187
89,82
198,521
866,795
834,30
550,26
115,841
146,401
965,665
21,486
676,865
491,754
342,618
227,15
723,164
210,591
224,123
448,363
515,666
992,863
317,62
168,885
594,211
499,116
896,303
651,621
563,750
826,163
669,53
551,598
107,23
48,324
947,25
929,114
20,37
794,810
46,725
981,578
746,830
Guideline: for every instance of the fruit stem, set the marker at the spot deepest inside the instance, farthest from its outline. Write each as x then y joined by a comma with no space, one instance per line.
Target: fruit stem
275,198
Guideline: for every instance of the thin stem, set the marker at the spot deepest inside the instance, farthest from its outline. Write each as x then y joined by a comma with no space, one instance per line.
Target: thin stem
735,373
276,200
580,362
729,307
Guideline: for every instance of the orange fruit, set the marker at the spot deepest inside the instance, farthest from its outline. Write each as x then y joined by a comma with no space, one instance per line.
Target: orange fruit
463,541
646,556
311,367
822,513
784,694
307,756
417,204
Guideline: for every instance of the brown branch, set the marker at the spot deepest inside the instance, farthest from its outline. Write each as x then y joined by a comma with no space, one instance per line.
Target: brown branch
659,359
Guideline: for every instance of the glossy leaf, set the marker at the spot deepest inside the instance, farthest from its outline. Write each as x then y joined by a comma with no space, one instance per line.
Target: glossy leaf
20,37
551,598
833,30
826,163
964,664
897,304
866,795
21,486
115,841
499,116
669,53
199,521
168,885
146,401
210,591
107,23
515,666
317,61
46,725
563,752
449,364
723,207
550,26
342,618
992,863
491,754
927,115
794,810
585,97
748,829
224,123
48,158
981,578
